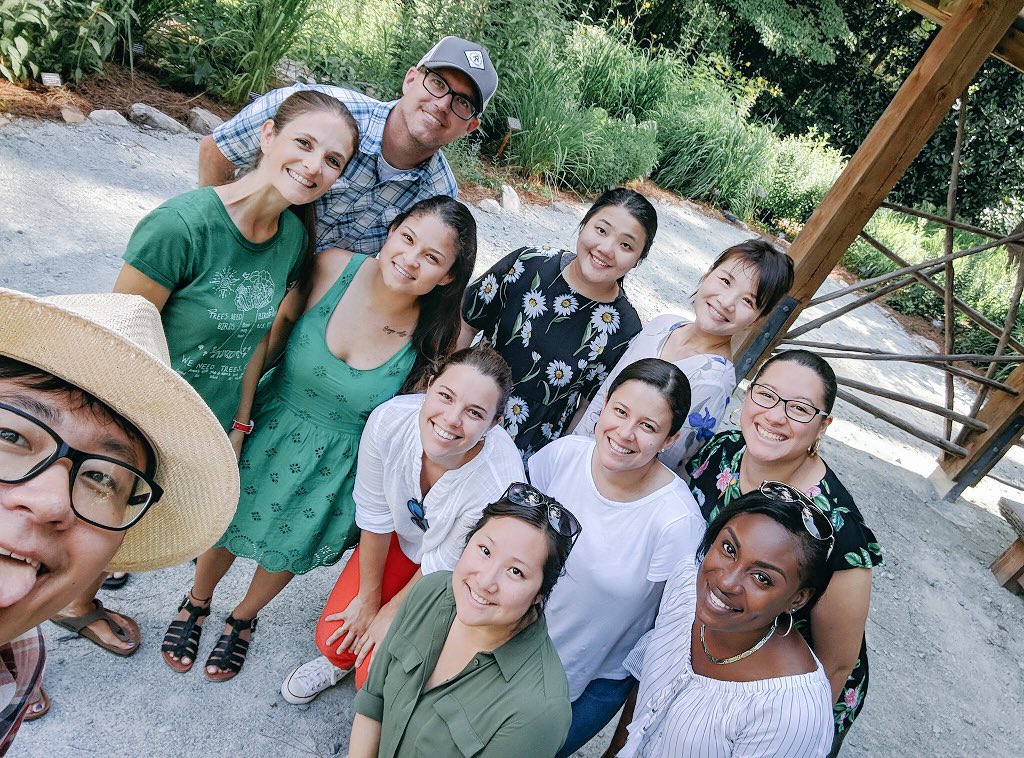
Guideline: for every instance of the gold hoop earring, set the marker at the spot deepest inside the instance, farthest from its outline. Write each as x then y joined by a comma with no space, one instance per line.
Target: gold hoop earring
813,449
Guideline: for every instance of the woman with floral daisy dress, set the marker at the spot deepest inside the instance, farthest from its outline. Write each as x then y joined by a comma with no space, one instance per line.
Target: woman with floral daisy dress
746,281
562,319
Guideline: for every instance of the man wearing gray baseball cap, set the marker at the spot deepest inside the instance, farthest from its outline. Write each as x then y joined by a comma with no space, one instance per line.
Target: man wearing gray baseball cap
399,160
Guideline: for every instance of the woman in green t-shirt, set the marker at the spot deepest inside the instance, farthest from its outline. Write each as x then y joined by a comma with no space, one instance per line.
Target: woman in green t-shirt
370,328
492,683
216,262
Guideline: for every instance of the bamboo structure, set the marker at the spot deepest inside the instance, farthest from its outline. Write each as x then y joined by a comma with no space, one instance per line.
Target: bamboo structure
971,443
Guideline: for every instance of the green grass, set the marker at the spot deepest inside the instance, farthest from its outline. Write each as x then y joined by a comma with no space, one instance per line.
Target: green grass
710,150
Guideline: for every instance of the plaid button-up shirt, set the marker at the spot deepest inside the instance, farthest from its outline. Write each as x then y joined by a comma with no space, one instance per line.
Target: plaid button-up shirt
356,212
21,673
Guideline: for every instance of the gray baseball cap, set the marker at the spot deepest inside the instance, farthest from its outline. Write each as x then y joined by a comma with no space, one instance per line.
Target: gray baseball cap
469,58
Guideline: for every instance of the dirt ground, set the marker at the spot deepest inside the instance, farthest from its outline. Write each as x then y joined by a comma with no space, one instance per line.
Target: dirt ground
946,644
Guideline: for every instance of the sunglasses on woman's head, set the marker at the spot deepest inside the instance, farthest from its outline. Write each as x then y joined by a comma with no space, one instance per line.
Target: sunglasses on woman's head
559,518
815,521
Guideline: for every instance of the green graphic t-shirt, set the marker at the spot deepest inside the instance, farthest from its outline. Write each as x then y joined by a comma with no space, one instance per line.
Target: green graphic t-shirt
225,290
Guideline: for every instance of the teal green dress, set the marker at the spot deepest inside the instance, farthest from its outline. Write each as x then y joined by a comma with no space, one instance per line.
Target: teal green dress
297,468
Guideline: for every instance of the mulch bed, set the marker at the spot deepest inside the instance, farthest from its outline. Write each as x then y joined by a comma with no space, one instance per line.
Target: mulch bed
117,88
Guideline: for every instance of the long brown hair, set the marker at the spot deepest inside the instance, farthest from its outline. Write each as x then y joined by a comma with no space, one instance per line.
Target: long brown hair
440,319
295,105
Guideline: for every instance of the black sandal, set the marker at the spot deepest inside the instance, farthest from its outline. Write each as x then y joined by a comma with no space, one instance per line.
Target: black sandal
182,637
230,651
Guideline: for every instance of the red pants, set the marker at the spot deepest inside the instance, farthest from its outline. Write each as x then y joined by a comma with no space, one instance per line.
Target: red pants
398,570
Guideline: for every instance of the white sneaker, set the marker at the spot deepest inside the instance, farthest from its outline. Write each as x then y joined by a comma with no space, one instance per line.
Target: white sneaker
310,679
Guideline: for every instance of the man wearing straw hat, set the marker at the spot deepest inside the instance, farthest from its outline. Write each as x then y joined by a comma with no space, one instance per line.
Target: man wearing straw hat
108,459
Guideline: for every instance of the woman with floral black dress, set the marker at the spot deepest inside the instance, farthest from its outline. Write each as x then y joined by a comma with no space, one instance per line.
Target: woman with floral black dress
562,319
784,417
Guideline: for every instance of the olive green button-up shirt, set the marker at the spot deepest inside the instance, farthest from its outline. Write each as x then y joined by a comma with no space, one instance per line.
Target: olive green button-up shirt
508,703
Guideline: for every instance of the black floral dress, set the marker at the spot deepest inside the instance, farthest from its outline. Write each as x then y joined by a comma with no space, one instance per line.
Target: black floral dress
715,482
560,344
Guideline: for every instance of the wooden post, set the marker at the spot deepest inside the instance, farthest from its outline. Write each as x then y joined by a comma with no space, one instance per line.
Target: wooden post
1004,415
948,313
945,69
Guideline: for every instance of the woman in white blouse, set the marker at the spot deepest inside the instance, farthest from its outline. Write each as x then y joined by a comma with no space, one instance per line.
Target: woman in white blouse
638,518
722,674
744,283
427,466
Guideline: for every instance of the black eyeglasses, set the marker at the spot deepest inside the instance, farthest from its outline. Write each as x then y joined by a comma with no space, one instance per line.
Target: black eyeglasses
560,519
105,492
417,514
799,410
438,86
817,524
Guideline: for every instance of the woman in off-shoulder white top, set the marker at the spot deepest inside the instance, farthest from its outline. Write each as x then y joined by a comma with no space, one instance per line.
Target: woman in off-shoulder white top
722,673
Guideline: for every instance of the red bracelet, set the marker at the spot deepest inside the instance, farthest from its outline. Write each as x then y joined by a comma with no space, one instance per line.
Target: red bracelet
238,426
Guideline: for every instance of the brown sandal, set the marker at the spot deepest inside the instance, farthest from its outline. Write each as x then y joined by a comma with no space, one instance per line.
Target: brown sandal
80,626
38,708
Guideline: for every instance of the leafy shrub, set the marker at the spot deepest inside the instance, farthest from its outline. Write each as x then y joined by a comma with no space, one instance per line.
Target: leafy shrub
562,143
228,49
805,168
69,37
464,157
616,75
709,150
24,28
613,152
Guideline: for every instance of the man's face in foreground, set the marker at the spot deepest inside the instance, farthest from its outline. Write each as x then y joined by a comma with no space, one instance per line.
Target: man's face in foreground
47,553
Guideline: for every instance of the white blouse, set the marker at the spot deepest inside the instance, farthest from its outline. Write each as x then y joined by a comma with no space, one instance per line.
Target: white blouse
680,713
388,476
712,381
617,569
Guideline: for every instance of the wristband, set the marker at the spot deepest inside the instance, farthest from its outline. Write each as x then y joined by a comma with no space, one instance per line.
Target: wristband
238,426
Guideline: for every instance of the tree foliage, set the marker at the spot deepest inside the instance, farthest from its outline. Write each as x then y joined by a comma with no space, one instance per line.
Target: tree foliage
844,99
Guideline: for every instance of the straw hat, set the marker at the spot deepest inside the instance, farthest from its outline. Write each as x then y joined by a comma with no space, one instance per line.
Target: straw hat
113,347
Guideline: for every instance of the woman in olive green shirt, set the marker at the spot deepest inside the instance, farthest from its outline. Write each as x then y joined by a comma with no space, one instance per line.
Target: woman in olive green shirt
467,668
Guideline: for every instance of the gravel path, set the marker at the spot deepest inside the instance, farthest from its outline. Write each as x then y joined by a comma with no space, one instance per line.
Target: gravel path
946,643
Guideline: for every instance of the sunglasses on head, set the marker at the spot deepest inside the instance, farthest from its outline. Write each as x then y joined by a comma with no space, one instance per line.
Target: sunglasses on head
560,519
815,521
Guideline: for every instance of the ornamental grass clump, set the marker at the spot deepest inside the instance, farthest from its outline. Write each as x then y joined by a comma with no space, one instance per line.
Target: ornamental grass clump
710,150
617,75
228,49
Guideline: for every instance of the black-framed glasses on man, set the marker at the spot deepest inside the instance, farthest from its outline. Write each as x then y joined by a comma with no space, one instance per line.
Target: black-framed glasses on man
560,519
798,410
104,491
439,87
816,522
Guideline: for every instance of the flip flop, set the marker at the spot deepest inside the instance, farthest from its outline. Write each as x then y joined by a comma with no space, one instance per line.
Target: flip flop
79,625
115,582
38,708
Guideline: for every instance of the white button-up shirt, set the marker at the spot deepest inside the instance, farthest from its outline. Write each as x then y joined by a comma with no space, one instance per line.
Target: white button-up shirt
388,476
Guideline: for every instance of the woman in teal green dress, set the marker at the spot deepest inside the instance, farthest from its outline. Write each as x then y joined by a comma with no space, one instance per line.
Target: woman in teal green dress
372,327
